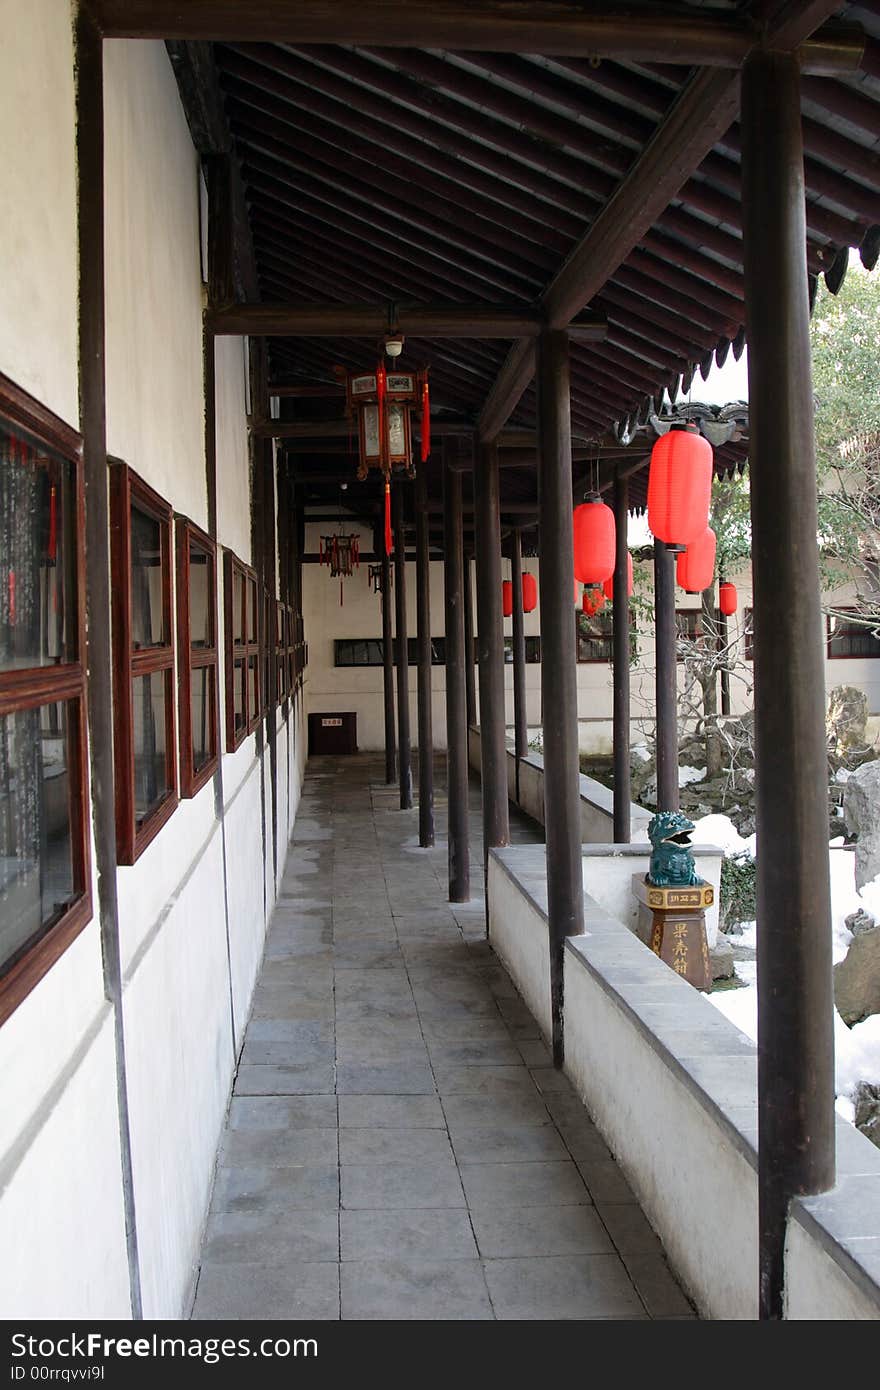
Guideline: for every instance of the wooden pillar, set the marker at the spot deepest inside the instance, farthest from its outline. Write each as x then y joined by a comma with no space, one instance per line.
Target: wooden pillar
621,655
423,603
388,672
724,638
795,1003
520,722
666,684
470,682
404,768
562,806
490,649
456,705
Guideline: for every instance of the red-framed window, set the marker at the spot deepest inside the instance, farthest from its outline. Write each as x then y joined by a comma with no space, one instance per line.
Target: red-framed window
243,682
45,868
143,661
197,660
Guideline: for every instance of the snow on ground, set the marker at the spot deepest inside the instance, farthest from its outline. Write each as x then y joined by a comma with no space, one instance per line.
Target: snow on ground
856,1049
690,774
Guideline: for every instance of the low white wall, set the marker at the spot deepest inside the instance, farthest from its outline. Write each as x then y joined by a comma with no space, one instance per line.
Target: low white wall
672,1086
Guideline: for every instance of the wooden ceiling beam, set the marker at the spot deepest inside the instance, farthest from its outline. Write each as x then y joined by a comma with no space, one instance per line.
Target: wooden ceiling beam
414,320
680,35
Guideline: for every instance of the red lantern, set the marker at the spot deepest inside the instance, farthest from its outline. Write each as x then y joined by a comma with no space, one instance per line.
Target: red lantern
727,599
530,592
608,586
507,598
680,486
593,542
695,566
593,600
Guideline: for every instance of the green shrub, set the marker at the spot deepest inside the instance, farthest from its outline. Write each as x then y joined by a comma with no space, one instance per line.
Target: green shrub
739,883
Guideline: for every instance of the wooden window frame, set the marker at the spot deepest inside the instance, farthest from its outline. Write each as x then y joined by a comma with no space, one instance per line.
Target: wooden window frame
845,656
127,487
29,688
283,668
190,658
241,651
680,636
604,614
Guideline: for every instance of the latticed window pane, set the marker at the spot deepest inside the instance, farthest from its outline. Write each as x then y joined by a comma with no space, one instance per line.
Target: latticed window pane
149,709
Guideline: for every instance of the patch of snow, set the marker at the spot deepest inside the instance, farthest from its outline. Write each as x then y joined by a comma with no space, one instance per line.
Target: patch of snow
844,899
687,775
842,775
856,1053
641,751
845,1109
721,831
837,843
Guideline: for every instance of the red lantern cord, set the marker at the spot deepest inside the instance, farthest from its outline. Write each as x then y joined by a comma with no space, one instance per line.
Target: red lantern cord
53,525
426,422
381,390
389,542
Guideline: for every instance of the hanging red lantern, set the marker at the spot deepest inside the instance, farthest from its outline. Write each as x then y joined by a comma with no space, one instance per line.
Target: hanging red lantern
695,566
680,486
593,600
507,598
608,586
593,542
727,599
530,592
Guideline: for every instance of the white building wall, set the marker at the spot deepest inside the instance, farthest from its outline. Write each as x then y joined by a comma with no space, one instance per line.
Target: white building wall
193,909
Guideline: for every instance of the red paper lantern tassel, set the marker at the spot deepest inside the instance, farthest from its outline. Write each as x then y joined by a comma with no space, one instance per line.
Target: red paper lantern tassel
53,524
426,422
389,542
381,392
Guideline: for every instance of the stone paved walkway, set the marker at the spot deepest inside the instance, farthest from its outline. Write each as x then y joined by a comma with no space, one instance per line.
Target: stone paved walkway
398,1144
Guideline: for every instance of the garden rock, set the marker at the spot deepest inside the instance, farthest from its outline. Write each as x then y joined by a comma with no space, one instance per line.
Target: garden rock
721,959
857,978
861,811
867,1116
847,719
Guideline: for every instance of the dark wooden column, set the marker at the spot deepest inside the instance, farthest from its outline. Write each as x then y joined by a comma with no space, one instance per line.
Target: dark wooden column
520,722
470,679
622,783
795,1004
724,638
423,603
388,671
562,805
666,682
404,767
456,705
490,649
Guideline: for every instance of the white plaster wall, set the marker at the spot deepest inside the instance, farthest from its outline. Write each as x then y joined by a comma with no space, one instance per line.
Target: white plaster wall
817,1287
155,409
518,934
698,1191
233,457
60,1169
38,241
179,1060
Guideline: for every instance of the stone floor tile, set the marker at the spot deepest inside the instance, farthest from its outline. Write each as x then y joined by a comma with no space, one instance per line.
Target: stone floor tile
282,1112
493,1112
292,1292
401,1185
605,1181
484,1081
393,1145
561,1288
273,1238
656,1286
475,1052
391,1112
547,1182
513,1144
427,1290
441,1234
629,1228
316,1078
253,1187
286,1053
528,1232
392,1078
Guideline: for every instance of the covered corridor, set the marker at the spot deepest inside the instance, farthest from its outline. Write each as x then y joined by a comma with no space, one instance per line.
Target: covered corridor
398,1143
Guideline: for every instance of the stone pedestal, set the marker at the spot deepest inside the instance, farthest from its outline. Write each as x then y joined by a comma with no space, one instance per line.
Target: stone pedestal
672,922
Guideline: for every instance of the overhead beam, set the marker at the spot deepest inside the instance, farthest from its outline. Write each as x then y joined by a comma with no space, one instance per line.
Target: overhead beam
372,321
677,35
702,114
198,85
